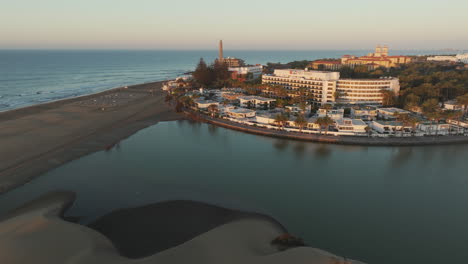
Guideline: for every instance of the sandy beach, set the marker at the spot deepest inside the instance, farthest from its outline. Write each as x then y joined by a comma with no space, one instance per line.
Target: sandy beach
38,138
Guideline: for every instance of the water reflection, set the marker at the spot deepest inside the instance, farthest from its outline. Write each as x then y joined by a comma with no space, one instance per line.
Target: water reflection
281,144
323,151
323,197
300,149
401,156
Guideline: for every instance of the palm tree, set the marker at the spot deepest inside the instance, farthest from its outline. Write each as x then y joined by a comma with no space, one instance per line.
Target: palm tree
213,109
325,121
281,119
368,131
327,108
463,101
301,122
413,122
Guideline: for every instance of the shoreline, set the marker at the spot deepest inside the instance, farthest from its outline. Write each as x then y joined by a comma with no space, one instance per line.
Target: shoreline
36,139
329,139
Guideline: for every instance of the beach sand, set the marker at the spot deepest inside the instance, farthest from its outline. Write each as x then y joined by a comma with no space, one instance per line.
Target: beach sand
38,228
38,138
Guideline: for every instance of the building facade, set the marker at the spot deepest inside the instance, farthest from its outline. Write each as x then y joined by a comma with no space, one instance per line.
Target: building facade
379,58
246,72
323,87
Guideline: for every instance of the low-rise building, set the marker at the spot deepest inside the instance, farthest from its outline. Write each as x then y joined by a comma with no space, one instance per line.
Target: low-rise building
296,109
433,128
256,102
241,113
350,125
452,105
389,113
334,114
443,58
460,123
389,127
367,112
204,104
246,72
332,65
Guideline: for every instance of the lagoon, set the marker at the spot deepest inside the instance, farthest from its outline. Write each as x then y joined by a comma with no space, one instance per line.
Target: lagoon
375,204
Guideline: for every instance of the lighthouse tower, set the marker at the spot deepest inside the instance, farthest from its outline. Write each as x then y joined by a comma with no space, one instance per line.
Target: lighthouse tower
221,56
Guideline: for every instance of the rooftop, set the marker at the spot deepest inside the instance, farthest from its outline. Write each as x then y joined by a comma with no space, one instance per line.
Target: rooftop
241,111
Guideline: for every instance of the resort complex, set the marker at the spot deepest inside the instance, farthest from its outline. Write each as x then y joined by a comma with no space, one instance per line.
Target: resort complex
327,87
380,58
304,101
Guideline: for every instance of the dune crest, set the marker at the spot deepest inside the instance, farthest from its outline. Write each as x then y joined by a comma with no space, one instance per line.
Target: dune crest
37,233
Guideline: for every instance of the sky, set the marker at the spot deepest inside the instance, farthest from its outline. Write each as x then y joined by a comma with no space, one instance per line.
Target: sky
242,24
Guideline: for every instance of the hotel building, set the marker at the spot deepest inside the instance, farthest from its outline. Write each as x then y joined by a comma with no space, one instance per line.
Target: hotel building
322,86
379,58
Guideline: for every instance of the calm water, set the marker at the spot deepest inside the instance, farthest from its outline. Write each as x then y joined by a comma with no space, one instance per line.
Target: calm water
32,77
378,204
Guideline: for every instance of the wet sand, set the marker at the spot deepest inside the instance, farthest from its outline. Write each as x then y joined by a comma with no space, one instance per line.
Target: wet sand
38,138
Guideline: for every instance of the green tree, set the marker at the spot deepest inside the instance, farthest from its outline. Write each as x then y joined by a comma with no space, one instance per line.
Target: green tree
325,121
301,122
463,102
388,97
213,109
281,119
203,74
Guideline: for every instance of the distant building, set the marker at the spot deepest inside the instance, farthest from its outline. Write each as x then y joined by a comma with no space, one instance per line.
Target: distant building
463,58
332,65
246,72
323,86
379,58
443,58
457,58
452,105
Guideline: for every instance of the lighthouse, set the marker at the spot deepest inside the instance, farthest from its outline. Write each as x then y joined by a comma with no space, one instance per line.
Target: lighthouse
221,57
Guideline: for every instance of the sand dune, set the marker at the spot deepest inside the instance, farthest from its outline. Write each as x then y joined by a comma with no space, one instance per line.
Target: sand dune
36,233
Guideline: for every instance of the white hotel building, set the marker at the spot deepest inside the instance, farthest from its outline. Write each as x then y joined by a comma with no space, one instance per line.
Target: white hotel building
323,85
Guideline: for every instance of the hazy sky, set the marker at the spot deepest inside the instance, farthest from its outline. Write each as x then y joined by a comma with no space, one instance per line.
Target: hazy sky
242,24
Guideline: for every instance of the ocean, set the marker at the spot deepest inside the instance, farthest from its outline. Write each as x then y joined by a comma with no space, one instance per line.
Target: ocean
29,77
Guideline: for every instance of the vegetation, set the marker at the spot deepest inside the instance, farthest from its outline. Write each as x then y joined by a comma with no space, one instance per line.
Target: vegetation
301,122
215,75
281,119
325,121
